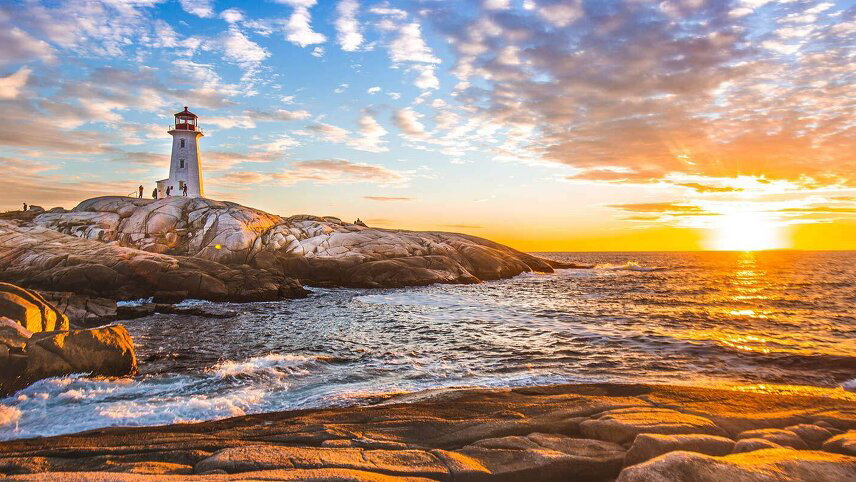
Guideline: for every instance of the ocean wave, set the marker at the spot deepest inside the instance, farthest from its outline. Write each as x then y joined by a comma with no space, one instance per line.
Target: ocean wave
628,266
849,385
273,365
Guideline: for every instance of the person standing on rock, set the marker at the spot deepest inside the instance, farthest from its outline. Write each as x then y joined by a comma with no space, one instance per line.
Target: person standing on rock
25,206
184,190
155,193
141,191
169,190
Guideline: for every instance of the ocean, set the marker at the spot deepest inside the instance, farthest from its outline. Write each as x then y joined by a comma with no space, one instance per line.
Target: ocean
765,321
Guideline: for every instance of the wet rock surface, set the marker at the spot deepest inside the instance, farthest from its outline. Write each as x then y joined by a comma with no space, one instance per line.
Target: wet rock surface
323,251
534,433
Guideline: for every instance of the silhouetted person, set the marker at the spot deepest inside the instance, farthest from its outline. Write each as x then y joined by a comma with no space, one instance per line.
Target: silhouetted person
169,190
25,206
141,192
155,193
184,190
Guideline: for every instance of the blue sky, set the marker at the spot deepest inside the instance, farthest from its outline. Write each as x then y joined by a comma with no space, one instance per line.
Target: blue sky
535,122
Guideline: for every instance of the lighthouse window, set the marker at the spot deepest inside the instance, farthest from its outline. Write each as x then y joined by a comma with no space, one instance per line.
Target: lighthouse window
181,163
182,143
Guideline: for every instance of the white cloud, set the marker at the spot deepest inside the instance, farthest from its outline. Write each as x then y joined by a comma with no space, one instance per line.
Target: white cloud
298,29
407,120
318,52
10,86
20,46
200,8
282,143
341,88
409,46
426,78
347,27
241,50
373,90
232,15
372,134
496,4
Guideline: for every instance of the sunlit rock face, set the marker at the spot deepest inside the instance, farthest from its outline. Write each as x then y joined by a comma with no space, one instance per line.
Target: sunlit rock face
40,258
318,250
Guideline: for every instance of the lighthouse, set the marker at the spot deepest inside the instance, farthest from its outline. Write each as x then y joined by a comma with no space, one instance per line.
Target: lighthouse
185,164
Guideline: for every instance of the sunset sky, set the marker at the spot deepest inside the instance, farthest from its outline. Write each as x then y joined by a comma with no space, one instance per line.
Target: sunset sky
546,125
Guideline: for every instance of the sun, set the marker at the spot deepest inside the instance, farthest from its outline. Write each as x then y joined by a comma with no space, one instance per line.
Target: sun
746,231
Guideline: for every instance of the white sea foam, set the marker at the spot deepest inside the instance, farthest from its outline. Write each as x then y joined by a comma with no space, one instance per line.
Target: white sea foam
628,266
139,302
273,365
9,416
849,385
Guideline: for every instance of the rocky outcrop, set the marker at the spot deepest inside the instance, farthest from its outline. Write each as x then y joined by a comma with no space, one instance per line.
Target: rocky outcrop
317,250
533,433
44,259
28,355
30,309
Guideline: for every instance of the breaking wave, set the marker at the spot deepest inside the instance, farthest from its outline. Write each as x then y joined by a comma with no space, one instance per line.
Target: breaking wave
628,266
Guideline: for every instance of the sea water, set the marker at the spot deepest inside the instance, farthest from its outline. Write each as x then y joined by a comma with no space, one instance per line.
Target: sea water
768,321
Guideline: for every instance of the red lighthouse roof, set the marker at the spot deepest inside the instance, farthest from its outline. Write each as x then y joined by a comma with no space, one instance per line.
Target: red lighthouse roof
186,114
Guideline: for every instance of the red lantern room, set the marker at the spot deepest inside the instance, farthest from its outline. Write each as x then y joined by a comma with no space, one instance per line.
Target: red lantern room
185,120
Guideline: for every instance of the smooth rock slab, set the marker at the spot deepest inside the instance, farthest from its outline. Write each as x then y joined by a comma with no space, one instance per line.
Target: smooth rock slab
785,438
623,425
770,465
417,463
546,457
646,446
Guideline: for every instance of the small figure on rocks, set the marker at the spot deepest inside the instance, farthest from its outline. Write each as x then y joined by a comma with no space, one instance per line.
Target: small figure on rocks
140,189
155,193
184,190
25,206
169,190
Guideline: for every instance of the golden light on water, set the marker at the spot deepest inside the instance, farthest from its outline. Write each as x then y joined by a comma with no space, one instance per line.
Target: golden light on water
746,231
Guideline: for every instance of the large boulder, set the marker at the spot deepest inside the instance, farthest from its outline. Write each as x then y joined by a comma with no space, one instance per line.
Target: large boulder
770,465
319,250
106,351
623,425
30,309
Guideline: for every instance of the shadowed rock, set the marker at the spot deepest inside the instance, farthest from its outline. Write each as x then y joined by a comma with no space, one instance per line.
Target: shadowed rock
318,250
842,444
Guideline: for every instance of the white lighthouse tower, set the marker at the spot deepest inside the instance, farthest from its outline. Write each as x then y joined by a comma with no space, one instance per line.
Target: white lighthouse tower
185,165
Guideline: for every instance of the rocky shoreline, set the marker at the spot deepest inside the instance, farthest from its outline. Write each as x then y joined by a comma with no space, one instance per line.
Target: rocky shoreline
567,432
